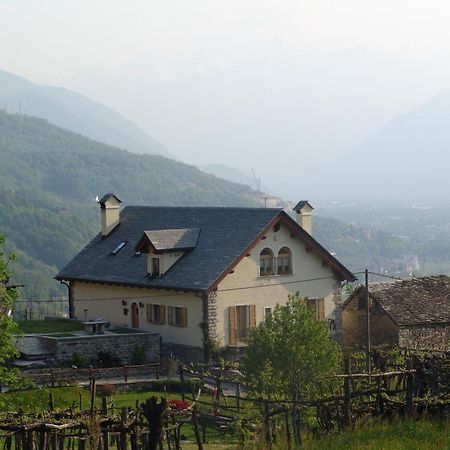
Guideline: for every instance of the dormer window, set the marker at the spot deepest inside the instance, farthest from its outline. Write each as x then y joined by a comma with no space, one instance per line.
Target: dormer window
266,263
156,271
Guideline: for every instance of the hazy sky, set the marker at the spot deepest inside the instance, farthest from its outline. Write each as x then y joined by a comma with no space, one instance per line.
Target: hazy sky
238,82
54,40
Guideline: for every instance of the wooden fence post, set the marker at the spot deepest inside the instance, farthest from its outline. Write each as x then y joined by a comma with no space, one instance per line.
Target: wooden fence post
266,422
238,397
347,399
182,382
198,439
409,389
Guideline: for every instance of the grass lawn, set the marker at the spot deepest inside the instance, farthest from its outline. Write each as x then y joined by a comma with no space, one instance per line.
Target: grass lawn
49,326
395,434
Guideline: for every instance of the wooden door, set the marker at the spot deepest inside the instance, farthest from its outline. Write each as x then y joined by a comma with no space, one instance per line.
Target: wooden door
135,315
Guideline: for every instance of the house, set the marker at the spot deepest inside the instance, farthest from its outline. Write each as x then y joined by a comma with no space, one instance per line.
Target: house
202,274
412,313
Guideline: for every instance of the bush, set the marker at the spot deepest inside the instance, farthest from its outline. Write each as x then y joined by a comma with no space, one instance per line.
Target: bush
79,361
106,359
138,356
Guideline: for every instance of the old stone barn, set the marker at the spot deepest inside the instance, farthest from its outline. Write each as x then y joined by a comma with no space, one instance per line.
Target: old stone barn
412,313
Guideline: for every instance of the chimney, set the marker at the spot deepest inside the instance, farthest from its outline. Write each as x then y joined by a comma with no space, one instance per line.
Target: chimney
110,209
304,215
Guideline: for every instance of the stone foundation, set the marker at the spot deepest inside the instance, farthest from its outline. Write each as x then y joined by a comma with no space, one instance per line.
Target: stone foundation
121,346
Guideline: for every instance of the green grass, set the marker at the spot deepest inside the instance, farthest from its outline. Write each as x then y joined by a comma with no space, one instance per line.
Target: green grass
37,400
49,326
373,434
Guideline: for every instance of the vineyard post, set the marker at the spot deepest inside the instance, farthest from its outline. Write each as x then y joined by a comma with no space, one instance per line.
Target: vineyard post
347,413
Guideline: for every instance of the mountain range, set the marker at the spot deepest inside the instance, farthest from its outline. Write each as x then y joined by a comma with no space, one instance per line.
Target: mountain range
408,158
74,112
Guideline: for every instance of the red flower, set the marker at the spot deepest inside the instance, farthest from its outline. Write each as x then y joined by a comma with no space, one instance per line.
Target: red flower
179,405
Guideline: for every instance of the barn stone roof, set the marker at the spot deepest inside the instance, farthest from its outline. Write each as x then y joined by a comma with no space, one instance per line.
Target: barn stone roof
421,300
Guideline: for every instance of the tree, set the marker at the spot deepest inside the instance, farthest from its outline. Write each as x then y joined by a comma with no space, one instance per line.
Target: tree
8,327
288,352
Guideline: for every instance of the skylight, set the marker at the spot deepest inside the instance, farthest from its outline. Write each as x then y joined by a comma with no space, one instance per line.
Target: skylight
118,248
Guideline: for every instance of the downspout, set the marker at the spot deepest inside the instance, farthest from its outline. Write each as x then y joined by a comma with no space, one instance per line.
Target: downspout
70,297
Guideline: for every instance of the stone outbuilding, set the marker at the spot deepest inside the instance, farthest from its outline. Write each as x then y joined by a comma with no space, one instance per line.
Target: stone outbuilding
413,313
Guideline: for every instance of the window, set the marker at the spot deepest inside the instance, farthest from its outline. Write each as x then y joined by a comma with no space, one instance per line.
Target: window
284,262
156,314
177,316
155,267
267,311
119,247
266,263
241,319
317,305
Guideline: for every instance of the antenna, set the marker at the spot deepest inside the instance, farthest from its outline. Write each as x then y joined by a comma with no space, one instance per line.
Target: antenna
256,181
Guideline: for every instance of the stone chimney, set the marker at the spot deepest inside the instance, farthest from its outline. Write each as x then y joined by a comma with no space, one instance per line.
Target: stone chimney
110,209
304,215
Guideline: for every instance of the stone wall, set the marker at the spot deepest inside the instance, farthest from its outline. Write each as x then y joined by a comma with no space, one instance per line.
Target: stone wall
383,330
182,353
425,337
119,345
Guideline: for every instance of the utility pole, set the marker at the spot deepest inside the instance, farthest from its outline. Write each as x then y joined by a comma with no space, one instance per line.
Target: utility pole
366,272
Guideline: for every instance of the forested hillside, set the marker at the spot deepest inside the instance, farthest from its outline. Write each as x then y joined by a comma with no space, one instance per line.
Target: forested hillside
50,177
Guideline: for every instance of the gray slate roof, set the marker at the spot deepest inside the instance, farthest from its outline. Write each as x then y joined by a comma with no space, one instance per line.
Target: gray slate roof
415,301
184,238
224,235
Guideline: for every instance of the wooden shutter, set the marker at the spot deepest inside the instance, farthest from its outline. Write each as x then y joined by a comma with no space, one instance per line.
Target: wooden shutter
184,317
252,316
170,315
149,313
232,325
321,309
162,314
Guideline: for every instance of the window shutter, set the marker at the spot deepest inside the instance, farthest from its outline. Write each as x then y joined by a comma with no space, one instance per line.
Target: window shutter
170,315
184,317
232,325
162,314
252,316
321,308
149,313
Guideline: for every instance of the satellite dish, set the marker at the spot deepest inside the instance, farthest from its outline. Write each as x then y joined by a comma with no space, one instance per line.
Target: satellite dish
97,199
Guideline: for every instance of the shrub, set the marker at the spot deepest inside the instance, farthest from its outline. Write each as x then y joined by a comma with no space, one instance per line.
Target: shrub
138,356
106,359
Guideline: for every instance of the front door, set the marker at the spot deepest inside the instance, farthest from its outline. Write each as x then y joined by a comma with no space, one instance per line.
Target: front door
135,315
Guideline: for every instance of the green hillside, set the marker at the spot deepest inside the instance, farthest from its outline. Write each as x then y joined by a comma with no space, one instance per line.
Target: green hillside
50,177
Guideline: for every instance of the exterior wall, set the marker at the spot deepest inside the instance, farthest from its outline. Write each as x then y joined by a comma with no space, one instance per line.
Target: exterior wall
383,330
105,301
425,337
306,265
121,346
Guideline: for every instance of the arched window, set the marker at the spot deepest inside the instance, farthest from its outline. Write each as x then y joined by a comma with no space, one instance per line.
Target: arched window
266,263
284,262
